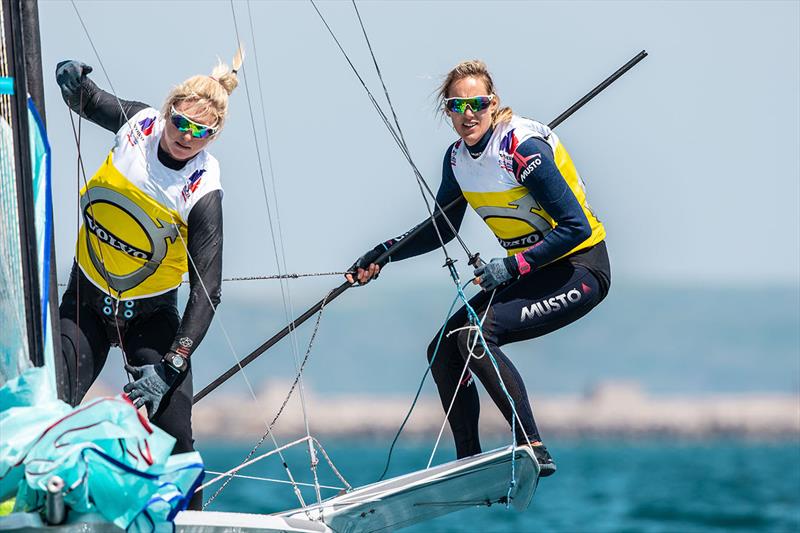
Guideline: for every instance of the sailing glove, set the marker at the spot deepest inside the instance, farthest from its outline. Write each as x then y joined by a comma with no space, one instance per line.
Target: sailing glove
151,383
370,257
69,75
496,272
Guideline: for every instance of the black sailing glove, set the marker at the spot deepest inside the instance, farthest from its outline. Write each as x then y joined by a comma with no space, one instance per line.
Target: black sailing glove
496,272
69,75
370,257
152,382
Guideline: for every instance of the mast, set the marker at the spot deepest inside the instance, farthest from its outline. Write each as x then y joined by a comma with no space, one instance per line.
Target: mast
32,49
12,22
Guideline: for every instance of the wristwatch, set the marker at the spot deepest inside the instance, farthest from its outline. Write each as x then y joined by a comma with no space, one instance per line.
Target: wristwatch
176,362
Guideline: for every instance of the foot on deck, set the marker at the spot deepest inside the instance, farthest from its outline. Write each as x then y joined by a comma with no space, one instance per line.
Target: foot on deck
546,465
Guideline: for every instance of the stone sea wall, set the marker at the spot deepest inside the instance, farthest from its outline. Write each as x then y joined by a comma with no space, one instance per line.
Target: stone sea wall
613,409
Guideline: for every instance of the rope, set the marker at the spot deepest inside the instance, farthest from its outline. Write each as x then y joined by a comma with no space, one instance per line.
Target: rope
398,139
419,390
474,318
76,132
282,407
189,256
288,306
268,277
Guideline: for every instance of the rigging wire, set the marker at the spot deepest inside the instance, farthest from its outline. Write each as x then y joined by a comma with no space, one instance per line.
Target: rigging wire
401,144
270,276
190,259
290,311
473,259
76,132
286,297
280,410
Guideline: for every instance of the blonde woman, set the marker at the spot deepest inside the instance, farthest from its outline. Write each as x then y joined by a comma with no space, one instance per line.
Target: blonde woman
520,179
151,213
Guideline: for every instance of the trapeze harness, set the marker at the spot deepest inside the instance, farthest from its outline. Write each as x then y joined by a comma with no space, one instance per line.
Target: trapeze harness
140,213
520,179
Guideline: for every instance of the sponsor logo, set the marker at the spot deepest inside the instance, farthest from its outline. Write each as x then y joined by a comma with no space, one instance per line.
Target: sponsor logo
147,125
453,153
522,210
525,241
508,146
554,304
527,165
105,236
158,233
140,130
192,183
186,342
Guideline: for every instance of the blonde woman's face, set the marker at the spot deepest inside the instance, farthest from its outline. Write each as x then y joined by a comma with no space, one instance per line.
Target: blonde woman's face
469,125
181,145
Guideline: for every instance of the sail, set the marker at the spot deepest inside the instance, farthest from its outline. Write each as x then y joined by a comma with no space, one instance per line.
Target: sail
43,214
13,327
18,255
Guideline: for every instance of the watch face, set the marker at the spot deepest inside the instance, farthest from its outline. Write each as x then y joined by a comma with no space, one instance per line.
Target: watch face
178,361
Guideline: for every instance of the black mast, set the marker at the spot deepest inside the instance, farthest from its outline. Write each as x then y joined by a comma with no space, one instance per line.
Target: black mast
32,49
13,29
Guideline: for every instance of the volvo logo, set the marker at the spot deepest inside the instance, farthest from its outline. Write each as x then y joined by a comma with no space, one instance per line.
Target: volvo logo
158,232
521,210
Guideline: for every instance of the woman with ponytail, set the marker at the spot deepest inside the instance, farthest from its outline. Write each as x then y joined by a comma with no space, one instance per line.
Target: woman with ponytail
520,179
151,213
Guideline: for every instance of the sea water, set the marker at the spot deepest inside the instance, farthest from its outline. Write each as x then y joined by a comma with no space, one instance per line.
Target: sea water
601,485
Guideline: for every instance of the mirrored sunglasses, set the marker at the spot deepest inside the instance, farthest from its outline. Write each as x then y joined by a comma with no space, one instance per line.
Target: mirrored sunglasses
184,124
476,103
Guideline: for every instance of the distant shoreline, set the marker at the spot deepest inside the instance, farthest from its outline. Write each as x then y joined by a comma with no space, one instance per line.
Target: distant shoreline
610,410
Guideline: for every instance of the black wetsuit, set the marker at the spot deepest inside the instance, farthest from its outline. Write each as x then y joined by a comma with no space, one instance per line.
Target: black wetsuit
146,328
544,300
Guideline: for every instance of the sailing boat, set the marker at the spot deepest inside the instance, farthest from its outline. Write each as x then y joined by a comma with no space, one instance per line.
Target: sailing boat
507,476
115,456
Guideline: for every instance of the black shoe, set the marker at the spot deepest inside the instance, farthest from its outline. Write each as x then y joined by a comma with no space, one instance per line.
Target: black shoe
546,465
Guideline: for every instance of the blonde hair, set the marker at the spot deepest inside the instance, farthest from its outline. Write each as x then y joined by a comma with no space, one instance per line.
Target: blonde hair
474,68
208,93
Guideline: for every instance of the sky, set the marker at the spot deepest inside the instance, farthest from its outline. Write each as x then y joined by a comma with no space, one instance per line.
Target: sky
691,160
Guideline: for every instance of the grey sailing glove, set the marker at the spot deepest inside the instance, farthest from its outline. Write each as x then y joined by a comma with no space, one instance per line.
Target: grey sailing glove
496,272
69,75
151,383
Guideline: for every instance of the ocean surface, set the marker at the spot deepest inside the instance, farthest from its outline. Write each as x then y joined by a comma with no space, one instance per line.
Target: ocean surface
672,340
601,486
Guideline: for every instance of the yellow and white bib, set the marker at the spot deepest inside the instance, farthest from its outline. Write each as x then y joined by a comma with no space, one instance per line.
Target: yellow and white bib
132,242
508,207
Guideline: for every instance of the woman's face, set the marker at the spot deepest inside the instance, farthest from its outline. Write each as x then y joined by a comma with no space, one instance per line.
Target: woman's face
471,126
180,144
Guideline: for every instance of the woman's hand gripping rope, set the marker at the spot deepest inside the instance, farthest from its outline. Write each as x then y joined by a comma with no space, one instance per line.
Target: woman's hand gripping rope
69,75
365,268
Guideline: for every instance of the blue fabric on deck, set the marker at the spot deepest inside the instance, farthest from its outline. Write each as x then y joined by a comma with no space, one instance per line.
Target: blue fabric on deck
112,460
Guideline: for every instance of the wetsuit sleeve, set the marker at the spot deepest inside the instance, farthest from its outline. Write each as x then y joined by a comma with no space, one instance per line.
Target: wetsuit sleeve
427,239
100,107
205,264
535,163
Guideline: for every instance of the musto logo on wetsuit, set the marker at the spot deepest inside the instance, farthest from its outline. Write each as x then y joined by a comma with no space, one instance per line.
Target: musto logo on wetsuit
554,304
129,242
